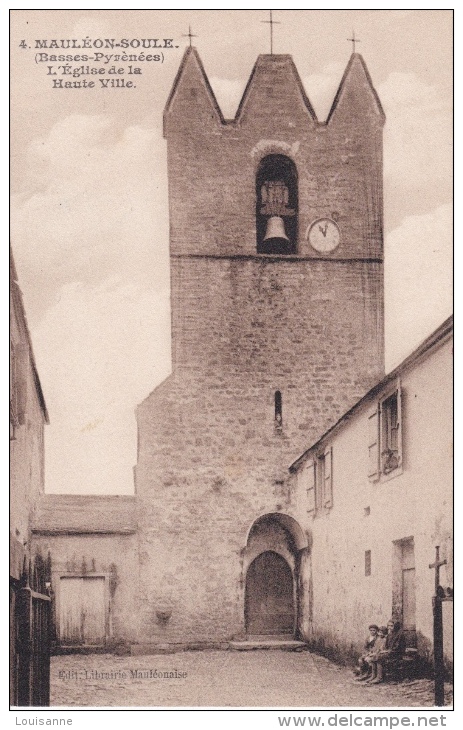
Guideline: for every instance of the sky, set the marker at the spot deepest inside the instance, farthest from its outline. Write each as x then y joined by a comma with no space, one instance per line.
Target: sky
90,225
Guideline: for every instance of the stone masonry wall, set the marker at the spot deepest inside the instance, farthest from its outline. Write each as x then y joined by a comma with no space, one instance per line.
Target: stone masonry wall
212,166
27,446
210,459
415,503
298,320
112,555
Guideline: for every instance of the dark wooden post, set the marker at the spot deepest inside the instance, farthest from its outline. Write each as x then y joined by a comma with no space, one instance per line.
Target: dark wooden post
24,644
32,638
438,631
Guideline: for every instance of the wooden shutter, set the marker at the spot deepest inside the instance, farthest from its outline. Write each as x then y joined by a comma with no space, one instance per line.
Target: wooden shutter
309,480
391,431
20,355
328,478
319,481
373,445
399,424
21,401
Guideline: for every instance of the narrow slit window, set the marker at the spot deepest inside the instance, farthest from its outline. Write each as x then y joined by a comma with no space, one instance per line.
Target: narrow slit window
278,410
367,562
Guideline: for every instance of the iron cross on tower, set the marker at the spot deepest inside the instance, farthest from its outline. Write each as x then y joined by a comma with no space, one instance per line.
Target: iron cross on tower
271,22
189,35
437,565
354,40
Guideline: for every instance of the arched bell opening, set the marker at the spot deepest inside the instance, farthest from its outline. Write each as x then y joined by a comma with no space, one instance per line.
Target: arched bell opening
274,562
276,205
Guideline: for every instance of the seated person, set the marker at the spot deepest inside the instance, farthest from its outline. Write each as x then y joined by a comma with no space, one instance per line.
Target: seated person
392,652
374,656
363,668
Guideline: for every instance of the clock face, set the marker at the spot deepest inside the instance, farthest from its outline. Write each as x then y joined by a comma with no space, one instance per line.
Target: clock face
324,235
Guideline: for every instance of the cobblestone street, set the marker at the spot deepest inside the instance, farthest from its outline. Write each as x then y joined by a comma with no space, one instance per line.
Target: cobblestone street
224,679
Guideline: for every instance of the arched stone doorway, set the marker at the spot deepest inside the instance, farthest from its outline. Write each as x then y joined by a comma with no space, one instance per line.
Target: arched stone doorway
269,596
276,567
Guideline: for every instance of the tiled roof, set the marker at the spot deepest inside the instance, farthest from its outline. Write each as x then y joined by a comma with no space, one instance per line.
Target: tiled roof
61,514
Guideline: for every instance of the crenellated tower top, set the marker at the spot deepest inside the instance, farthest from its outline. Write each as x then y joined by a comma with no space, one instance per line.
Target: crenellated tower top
279,72
227,178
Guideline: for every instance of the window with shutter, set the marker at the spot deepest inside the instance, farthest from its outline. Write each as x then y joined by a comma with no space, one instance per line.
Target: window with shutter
391,432
373,445
316,480
328,478
19,360
399,424
319,481
13,421
309,482
21,400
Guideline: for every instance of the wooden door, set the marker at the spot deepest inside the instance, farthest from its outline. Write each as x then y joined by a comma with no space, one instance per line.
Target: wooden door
269,596
82,614
408,599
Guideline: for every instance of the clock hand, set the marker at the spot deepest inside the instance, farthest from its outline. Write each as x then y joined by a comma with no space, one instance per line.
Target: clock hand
323,230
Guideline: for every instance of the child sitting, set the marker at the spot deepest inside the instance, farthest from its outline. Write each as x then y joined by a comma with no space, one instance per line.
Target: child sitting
363,668
374,656
391,653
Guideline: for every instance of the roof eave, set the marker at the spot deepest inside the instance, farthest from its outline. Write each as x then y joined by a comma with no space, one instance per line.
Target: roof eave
438,337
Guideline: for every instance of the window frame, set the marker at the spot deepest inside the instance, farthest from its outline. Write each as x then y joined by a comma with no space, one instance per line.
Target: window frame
317,481
386,439
308,479
380,438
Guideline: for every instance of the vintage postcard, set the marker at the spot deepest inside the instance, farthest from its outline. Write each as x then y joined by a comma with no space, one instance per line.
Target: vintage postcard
231,359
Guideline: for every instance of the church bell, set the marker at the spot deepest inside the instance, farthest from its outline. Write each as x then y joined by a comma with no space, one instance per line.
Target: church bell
276,229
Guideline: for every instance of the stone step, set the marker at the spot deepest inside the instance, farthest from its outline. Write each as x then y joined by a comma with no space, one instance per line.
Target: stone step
160,648
268,643
268,637
284,643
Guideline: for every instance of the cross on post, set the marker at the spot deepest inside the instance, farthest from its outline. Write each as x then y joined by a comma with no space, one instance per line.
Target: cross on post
354,40
189,35
437,565
438,635
271,22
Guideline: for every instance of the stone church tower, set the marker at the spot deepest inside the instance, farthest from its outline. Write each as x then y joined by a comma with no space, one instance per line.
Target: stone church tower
276,254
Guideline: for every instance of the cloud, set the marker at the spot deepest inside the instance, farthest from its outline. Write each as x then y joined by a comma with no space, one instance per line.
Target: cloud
93,205
418,280
228,93
417,135
321,88
100,350
90,238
